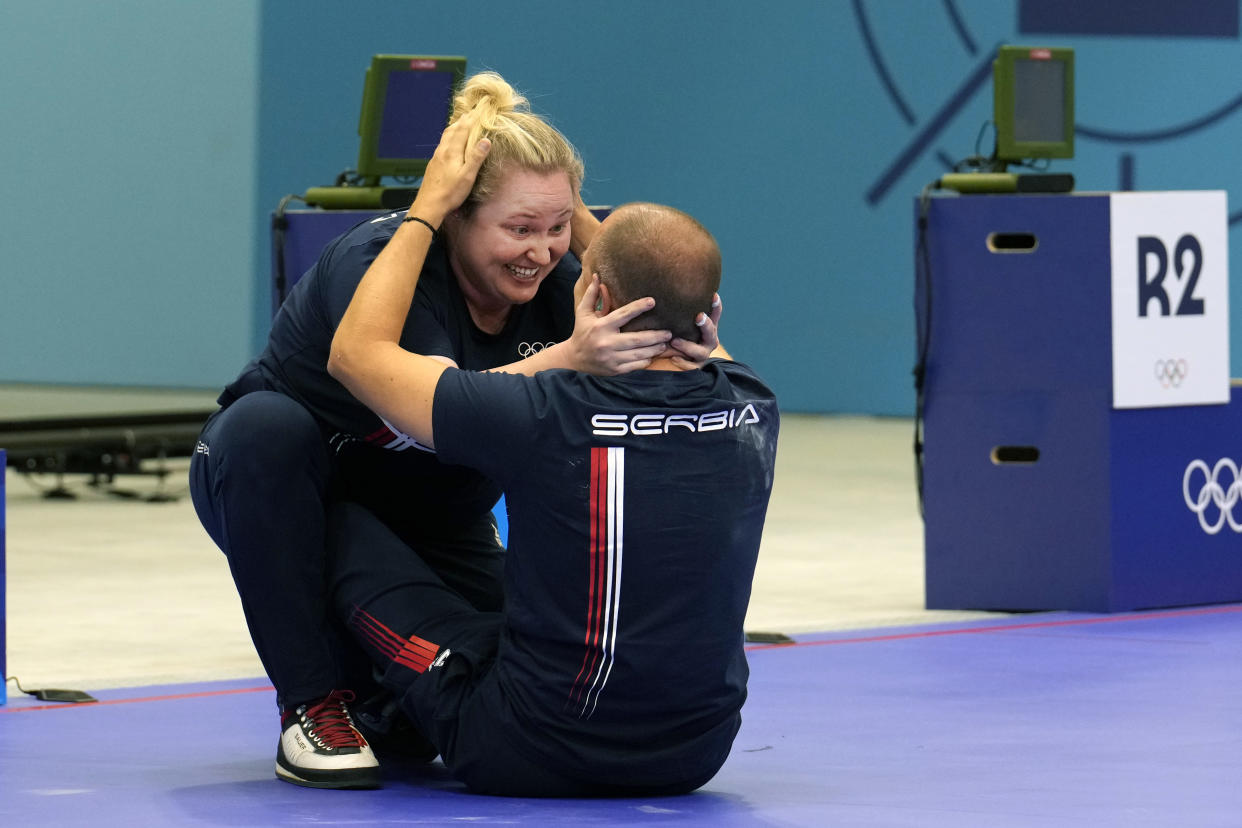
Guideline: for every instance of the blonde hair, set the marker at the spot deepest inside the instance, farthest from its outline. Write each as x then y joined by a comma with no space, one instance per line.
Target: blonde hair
519,137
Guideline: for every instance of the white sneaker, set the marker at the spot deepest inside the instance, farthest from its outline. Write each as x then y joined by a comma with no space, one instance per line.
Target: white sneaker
320,747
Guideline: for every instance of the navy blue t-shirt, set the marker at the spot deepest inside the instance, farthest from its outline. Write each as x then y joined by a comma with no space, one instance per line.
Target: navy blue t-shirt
636,507
376,463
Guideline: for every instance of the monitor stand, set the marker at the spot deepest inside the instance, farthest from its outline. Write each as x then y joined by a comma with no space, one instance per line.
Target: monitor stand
360,198
1006,182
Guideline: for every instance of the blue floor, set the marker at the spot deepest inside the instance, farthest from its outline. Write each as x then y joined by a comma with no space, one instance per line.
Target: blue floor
1043,720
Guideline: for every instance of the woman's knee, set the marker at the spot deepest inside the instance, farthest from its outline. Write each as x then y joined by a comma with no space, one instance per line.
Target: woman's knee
265,429
261,462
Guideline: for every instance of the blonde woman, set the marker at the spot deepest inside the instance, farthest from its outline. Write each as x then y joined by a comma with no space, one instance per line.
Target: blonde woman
497,291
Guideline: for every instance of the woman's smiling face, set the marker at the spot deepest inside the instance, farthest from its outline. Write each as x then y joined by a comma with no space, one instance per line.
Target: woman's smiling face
504,250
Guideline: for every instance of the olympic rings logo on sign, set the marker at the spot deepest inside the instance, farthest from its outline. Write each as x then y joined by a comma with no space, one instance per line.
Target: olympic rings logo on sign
1212,492
526,349
1171,372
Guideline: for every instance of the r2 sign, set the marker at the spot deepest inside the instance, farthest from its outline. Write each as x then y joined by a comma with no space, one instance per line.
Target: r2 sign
1153,268
1170,297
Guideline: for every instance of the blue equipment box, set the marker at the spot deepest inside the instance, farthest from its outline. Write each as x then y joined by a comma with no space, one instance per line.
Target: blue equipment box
1038,493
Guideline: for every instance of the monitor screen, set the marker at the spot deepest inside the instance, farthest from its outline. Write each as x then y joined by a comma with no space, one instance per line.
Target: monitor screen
1038,100
406,103
1033,101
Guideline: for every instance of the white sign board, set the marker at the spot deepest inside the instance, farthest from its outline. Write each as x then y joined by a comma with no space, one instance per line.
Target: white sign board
1170,263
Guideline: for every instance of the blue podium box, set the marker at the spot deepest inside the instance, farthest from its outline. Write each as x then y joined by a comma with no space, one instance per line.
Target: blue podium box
305,234
1038,493
4,667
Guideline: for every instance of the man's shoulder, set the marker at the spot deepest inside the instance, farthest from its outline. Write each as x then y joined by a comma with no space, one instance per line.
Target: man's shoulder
564,387
742,373
465,389
505,399
476,414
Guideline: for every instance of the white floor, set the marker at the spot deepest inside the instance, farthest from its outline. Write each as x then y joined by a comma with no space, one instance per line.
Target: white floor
106,591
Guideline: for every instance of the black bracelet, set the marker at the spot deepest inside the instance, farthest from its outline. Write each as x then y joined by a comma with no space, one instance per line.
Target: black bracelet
423,222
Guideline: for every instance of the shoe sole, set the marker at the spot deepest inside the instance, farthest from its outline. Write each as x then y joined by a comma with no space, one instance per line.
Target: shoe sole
352,779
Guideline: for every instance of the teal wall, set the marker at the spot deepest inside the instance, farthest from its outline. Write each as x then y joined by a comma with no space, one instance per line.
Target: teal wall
782,126
127,133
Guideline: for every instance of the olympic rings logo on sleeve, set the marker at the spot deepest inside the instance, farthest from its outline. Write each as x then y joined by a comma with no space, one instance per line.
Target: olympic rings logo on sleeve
1212,492
1171,372
526,349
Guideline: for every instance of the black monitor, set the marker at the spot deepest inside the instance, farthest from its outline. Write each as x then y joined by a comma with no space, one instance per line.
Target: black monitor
406,103
1033,103
1033,111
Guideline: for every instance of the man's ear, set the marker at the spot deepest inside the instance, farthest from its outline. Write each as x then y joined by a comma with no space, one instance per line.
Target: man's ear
605,304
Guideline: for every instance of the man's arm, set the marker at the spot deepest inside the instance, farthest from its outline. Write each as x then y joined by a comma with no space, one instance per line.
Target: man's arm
366,356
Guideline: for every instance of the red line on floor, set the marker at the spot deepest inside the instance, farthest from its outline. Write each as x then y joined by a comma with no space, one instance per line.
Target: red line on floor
1032,625
170,697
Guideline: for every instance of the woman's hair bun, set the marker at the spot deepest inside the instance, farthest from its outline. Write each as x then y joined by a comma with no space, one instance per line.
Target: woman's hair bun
490,89
519,138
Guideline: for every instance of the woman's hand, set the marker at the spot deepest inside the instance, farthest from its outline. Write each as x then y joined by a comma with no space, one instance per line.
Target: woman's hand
689,355
451,172
598,346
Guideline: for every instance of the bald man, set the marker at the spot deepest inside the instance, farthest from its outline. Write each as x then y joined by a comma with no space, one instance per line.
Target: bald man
636,505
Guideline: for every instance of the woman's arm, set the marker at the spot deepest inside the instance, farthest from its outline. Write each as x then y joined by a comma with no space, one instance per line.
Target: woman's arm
582,229
599,346
366,356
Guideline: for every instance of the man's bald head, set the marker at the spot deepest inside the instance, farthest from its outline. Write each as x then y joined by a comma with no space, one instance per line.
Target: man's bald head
652,250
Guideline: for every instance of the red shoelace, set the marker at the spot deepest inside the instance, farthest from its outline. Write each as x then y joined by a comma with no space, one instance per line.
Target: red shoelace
329,722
